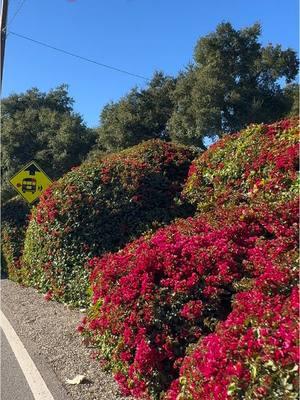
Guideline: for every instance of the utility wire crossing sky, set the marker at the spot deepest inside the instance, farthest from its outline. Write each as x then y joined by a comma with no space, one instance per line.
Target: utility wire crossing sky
80,57
61,42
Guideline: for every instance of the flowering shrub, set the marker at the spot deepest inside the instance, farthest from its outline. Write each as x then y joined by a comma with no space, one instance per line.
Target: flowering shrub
99,207
258,164
254,354
159,294
14,220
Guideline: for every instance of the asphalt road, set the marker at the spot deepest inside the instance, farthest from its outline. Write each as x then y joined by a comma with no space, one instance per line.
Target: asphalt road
24,374
13,383
47,330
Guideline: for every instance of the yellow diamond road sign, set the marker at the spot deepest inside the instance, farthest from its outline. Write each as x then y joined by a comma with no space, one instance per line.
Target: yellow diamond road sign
30,182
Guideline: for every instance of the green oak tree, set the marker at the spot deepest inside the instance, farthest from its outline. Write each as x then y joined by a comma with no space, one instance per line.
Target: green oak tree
234,81
291,92
140,115
43,127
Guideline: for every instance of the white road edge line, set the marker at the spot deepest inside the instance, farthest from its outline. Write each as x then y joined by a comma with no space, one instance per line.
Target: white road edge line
34,379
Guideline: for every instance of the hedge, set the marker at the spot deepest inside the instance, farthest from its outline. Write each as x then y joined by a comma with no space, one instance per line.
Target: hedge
160,294
253,355
99,207
257,164
14,220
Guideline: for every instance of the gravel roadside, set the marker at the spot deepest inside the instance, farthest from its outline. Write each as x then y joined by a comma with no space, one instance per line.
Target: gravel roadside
51,328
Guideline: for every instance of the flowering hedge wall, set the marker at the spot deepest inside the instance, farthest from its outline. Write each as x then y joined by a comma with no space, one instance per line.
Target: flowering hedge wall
258,164
162,293
99,207
14,220
254,354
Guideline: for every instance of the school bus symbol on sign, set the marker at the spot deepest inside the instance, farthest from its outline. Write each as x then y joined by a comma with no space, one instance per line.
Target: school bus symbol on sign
30,182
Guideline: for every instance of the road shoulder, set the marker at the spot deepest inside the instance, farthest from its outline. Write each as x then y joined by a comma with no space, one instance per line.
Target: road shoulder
48,331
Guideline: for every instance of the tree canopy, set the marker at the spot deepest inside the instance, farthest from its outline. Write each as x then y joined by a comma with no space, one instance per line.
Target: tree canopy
43,127
234,81
140,115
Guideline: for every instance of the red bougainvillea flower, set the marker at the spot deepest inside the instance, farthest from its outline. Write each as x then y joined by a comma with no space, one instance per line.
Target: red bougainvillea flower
48,296
253,354
159,294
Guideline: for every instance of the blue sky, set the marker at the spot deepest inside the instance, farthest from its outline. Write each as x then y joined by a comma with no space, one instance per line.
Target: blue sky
140,36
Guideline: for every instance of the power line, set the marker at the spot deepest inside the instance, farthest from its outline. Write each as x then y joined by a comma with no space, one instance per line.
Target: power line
16,12
78,56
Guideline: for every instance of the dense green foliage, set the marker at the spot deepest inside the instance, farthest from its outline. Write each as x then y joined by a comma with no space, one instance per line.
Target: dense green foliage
14,220
260,163
233,82
41,126
138,116
291,92
99,207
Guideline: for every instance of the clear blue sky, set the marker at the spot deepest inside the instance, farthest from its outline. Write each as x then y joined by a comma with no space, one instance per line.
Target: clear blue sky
140,36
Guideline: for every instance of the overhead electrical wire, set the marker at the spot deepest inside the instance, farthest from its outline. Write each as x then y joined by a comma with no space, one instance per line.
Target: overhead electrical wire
78,56
16,12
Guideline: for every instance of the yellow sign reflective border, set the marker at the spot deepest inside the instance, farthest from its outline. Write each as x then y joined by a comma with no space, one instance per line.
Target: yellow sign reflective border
30,182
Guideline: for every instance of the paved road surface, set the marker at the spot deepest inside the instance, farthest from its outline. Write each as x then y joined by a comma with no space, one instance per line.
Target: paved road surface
13,383
48,333
24,377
